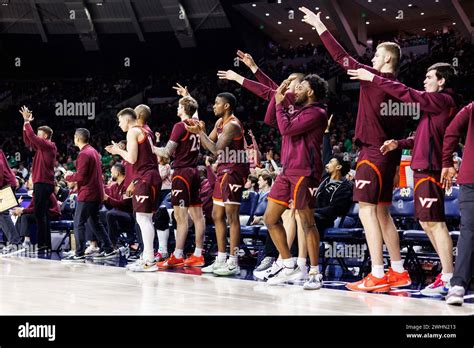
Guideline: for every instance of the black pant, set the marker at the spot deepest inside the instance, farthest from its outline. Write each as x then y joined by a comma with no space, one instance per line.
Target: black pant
464,267
118,222
8,228
90,234
23,224
42,192
89,211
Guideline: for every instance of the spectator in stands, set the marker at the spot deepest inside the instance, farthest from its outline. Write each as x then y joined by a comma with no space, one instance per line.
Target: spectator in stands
251,184
23,171
165,173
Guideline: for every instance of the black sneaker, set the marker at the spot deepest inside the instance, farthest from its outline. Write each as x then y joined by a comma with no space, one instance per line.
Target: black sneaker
105,256
74,258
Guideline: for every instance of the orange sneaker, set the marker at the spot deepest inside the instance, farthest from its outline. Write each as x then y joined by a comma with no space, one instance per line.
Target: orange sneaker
171,262
369,284
398,280
194,261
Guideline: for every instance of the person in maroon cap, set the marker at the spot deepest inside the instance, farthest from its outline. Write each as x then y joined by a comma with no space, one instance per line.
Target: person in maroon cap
43,174
375,174
438,103
463,123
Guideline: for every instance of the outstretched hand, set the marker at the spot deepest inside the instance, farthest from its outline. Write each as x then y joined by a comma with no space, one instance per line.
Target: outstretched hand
26,113
360,74
227,75
180,90
310,17
247,59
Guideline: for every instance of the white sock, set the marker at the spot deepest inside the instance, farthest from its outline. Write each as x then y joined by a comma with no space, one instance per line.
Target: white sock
233,260
397,266
178,253
446,277
377,271
289,263
301,262
198,252
221,257
145,221
163,240
314,269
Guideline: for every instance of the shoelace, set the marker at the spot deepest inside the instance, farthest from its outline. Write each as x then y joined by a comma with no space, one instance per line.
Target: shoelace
437,282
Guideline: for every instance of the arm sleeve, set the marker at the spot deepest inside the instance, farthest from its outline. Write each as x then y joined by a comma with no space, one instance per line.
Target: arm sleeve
300,124
270,115
259,89
82,166
430,102
339,54
30,208
407,143
453,133
35,141
265,80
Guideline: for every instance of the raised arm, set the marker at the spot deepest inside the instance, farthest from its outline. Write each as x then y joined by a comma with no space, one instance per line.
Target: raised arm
131,154
248,60
455,130
230,131
337,52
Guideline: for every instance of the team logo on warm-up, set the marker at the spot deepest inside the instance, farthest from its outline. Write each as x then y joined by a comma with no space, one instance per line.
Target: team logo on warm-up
141,199
360,184
427,202
234,187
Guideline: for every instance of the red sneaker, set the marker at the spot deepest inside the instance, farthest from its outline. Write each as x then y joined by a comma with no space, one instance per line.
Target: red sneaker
171,262
194,261
370,284
398,280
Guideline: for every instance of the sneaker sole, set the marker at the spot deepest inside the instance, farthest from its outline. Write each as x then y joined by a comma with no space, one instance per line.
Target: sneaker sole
455,301
197,265
141,270
289,279
180,265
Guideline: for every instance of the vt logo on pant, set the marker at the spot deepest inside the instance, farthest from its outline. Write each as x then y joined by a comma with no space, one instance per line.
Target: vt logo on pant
177,192
360,184
141,199
427,202
313,190
234,188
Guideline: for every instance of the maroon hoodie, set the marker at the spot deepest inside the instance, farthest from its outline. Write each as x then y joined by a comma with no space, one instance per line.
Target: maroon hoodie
438,109
7,177
302,137
371,128
116,200
462,123
88,176
43,162
54,210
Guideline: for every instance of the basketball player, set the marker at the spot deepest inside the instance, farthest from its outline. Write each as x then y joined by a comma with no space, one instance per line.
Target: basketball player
302,137
145,185
438,104
90,198
184,147
42,172
227,142
375,173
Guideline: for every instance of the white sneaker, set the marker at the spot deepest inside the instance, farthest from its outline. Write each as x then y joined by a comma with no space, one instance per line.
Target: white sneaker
135,263
314,282
271,272
455,296
213,266
144,266
228,270
91,250
285,275
437,288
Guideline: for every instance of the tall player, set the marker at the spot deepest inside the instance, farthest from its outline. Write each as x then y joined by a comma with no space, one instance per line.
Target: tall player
184,147
227,142
145,185
438,103
302,137
375,172
43,174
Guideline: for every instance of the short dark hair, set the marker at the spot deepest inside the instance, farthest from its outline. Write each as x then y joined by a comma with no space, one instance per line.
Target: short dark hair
47,130
318,85
127,112
83,134
267,178
190,105
120,168
344,162
444,71
299,76
229,98
253,179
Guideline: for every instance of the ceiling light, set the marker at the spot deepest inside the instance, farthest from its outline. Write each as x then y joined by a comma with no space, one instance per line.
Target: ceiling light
367,22
327,17
254,5
384,9
290,30
279,22
422,13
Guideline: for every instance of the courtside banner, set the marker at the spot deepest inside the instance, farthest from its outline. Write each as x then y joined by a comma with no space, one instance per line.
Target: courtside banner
7,199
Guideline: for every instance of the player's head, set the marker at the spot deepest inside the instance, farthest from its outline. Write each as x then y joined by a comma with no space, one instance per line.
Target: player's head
312,88
126,117
187,106
298,77
45,132
143,113
224,104
439,76
338,164
386,57
81,136
265,181
117,171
